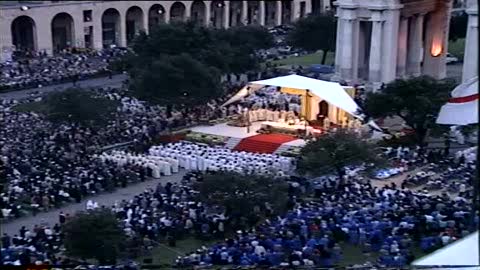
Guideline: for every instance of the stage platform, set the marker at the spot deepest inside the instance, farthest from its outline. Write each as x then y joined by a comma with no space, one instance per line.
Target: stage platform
236,134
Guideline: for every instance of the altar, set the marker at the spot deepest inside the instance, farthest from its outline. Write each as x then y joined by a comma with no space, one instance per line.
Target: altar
288,128
282,103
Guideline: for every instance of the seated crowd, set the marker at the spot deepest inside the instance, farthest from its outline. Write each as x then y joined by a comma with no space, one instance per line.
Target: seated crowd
49,164
388,221
42,70
53,163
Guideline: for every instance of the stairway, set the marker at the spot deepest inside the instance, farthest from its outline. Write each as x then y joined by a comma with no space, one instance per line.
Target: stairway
282,148
232,142
263,143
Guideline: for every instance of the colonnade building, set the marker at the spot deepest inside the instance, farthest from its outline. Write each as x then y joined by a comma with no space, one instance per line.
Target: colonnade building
54,25
381,40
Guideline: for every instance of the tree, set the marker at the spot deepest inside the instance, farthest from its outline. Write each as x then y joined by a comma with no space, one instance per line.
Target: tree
78,106
458,26
334,151
252,37
213,47
239,194
417,101
183,62
73,105
178,80
96,234
313,33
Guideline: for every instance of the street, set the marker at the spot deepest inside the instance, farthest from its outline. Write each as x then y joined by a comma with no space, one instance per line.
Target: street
106,199
98,82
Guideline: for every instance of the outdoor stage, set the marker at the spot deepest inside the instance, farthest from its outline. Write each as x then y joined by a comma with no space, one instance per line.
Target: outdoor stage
241,140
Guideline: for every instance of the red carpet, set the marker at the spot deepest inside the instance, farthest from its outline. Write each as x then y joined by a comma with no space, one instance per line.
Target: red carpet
263,143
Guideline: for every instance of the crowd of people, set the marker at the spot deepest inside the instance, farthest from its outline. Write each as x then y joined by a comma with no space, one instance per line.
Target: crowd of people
389,221
205,158
68,66
165,213
51,163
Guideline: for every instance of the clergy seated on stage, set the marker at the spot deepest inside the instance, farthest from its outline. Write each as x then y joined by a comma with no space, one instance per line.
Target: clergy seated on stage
204,158
271,98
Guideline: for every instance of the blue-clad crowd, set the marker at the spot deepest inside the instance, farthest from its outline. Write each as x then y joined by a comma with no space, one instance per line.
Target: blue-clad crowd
387,221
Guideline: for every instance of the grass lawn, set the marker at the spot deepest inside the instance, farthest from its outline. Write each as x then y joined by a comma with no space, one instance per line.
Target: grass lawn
166,255
38,107
457,48
306,60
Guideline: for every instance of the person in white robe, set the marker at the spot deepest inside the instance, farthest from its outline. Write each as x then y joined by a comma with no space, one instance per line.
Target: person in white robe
262,114
155,170
270,116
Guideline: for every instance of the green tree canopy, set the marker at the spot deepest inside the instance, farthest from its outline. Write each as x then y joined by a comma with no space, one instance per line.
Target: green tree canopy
160,69
417,101
336,150
213,47
316,32
73,105
253,37
239,194
177,79
94,235
78,106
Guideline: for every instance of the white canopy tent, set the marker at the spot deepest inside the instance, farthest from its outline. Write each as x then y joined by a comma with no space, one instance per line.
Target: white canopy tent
332,92
462,108
463,252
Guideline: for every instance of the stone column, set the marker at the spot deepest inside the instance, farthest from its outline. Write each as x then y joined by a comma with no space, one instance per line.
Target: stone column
347,32
375,61
415,45
226,14
208,14
294,11
402,47
278,13
188,13
437,41
338,48
44,35
308,8
470,59
97,29
6,42
167,14
123,30
244,12
390,44
145,22
261,11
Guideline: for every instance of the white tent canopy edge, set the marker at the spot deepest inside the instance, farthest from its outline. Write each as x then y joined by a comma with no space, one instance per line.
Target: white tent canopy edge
463,252
331,92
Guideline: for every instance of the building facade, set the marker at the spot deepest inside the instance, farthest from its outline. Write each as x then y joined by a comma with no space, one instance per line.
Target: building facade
381,40
54,25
